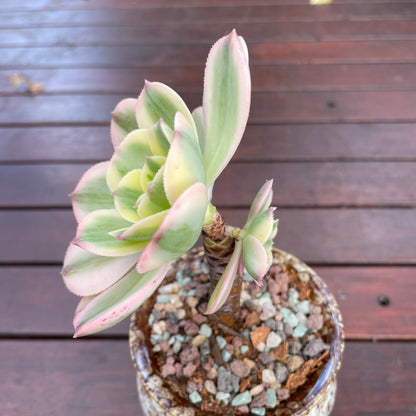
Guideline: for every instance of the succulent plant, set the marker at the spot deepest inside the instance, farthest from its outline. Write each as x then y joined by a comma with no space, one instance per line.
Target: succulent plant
146,206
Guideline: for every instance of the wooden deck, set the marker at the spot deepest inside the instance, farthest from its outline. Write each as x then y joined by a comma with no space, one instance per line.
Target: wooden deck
333,120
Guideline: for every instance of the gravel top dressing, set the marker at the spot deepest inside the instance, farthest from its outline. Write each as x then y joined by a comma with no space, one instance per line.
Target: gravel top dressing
281,343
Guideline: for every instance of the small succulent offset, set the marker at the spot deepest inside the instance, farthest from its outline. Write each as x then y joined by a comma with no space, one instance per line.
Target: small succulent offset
146,206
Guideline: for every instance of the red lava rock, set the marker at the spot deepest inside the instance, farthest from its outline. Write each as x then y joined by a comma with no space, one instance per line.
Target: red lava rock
200,319
244,409
188,354
189,369
172,329
201,291
259,335
164,346
283,394
207,367
168,369
239,368
243,314
237,342
191,328
260,400
254,289
274,290
275,270
178,370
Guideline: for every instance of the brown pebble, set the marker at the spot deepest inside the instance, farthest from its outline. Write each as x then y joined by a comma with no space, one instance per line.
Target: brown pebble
252,319
280,353
259,335
244,383
294,362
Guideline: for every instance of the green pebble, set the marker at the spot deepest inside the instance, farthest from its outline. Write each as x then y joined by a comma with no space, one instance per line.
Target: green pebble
205,268
165,336
177,346
241,399
221,342
195,397
247,277
223,397
151,320
205,330
180,338
285,312
300,331
226,356
271,398
162,299
185,281
190,293
260,411
155,339
244,349
303,307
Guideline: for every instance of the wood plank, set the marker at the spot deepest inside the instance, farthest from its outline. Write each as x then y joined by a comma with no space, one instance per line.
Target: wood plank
323,184
205,13
318,236
270,108
28,294
261,143
267,78
205,33
100,376
393,51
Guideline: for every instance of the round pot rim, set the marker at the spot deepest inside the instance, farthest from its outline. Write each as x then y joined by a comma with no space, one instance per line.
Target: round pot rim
323,384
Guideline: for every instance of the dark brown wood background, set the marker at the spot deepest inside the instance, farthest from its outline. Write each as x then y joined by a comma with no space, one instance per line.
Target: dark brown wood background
333,120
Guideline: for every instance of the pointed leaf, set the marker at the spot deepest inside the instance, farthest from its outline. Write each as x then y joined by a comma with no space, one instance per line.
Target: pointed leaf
158,101
198,115
184,166
123,120
179,230
160,137
92,192
262,200
223,288
262,225
87,274
130,155
93,235
154,200
226,102
254,257
126,194
117,302
150,167
142,230
183,126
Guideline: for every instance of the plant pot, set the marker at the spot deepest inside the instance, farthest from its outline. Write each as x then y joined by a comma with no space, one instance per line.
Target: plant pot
315,399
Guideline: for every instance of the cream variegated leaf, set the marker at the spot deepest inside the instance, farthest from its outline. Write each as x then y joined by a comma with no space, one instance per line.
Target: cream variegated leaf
123,120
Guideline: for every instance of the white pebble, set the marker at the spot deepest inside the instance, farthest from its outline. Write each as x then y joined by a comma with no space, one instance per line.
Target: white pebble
169,288
261,347
210,387
268,376
159,327
181,314
273,340
256,390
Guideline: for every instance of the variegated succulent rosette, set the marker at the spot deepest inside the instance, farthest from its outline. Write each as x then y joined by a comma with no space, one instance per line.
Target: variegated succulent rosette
146,206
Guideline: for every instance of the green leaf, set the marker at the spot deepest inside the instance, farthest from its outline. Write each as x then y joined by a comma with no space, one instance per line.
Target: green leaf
130,155
179,230
150,167
87,274
226,102
117,302
123,120
160,137
158,101
254,257
198,116
93,234
92,192
184,166
142,230
126,194
261,226
223,288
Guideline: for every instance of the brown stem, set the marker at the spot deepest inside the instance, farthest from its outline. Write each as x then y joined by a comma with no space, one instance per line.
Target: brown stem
218,249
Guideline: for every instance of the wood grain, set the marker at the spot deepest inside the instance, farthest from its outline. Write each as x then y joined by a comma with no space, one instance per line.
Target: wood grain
298,184
101,378
204,12
342,52
265,78
267,108
205,33
261,143
32,292
318,236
